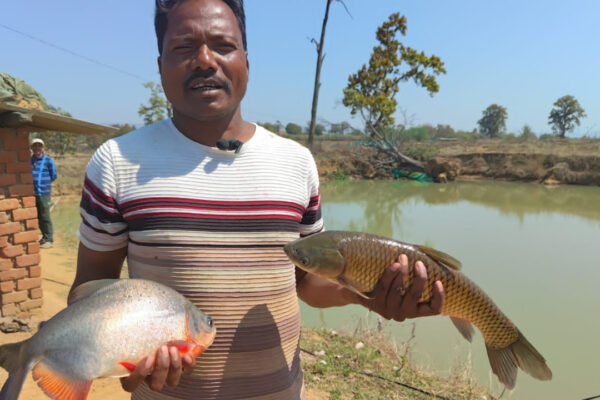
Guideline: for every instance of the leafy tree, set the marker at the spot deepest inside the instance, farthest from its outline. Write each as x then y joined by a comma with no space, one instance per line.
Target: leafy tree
527,133
319,129
293,129
58,143
493,122
269,126
158,107
371,91
565,115
94,141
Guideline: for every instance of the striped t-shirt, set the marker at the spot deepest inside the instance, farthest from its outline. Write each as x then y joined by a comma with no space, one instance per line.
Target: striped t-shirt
43,172
212,225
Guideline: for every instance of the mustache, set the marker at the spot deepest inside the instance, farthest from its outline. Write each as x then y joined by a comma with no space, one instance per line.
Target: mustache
210,77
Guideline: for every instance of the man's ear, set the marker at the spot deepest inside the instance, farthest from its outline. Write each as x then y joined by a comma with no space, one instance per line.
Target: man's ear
247,62
159,62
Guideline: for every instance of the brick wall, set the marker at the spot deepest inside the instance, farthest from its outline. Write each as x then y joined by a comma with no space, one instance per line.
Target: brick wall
20,272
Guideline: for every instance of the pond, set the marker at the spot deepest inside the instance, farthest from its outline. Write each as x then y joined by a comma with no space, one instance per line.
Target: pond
534,249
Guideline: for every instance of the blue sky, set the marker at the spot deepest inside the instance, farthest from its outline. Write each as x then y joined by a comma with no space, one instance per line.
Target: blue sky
521,55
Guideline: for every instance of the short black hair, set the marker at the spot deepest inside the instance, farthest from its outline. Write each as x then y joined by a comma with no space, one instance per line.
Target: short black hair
164,6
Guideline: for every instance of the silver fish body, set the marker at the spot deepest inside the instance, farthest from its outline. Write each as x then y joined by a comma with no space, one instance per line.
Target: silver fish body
110,327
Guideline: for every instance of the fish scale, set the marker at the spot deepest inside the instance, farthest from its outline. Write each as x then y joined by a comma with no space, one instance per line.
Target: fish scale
358,261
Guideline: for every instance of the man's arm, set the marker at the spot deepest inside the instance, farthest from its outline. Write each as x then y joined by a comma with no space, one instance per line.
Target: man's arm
387,301
92,265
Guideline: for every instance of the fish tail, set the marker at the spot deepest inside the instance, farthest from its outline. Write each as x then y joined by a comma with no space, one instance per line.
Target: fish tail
519,354
11,360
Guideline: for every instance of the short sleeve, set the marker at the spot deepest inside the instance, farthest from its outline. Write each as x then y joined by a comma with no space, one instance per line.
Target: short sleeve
312,220
102,226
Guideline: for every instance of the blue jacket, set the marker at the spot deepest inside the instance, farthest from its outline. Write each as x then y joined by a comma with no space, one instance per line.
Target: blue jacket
44,172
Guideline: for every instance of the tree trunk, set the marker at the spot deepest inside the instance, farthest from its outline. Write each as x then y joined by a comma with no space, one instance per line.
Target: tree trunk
320,57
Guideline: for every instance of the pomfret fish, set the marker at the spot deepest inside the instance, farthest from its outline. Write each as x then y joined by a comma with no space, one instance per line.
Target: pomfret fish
358,260
110,326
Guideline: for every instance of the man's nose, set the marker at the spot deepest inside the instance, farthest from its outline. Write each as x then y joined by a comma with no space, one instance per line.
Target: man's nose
205,59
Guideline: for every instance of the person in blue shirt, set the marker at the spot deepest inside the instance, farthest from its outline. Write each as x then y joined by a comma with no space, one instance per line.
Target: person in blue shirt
44,173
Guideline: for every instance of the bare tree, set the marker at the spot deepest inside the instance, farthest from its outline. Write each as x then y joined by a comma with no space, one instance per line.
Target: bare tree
320,58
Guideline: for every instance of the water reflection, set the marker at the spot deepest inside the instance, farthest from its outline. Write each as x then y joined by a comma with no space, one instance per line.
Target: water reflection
381,198
533,249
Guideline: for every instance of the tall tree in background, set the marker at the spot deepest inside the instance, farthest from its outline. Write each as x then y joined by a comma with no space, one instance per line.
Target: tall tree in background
320,58
493,122
158,107
565,115
372,90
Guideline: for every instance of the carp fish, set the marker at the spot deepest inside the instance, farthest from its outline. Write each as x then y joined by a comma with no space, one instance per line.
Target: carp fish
358,260
109,326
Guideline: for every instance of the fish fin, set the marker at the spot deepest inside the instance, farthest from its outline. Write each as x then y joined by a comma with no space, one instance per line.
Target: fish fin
465,328
352,288
87,288
519,354
441,257
10,356
57,386
127,365
186,347
14,384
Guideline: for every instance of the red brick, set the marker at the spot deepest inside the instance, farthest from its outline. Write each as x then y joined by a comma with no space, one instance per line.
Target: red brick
29,283
9,204
9,309
28,201
7,287
7,179
7,156
6,264
12,274
20,214
15,167
10,227
35,271
36,293
20,190
3,241
24,155
33,248
32,224
25,237
12,251
27,260
3,217
31,304
7,133
14,297
26,178
21,142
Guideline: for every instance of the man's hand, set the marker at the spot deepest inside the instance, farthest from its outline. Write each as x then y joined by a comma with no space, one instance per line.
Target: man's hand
388,300
163,368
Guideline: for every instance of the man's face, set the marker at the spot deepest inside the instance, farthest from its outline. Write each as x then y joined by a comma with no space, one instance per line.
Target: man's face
204,66
37,149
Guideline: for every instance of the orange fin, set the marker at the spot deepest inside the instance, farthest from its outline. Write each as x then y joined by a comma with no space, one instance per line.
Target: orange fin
441,257
129,366
186,347
57,386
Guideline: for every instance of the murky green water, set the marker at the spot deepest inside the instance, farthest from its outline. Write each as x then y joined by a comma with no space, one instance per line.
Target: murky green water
535,250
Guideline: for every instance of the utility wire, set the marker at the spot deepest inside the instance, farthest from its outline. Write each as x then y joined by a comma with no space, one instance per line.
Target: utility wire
100,63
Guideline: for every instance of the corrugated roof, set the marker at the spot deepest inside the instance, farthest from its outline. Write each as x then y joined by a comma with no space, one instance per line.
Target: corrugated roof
43,120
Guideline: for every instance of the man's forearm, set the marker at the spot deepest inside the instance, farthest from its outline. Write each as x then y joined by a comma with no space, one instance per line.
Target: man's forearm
321,293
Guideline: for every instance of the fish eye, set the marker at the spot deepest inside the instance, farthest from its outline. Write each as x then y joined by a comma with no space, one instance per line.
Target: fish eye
209,321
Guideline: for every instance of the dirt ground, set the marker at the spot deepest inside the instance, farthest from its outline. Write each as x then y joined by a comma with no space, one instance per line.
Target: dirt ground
58,272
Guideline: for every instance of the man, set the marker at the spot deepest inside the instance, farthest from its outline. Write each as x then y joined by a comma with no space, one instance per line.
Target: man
211,221
44,173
